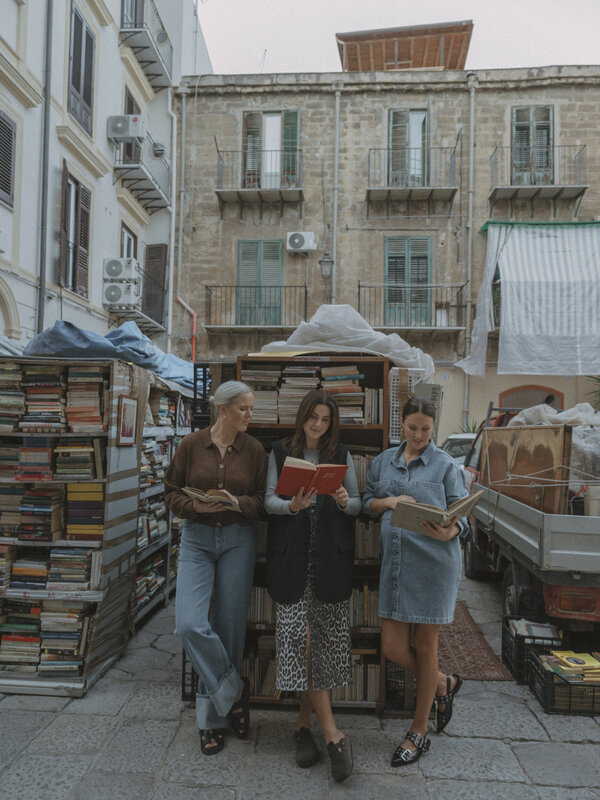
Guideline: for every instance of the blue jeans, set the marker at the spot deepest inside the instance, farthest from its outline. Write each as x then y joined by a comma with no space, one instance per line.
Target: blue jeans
213,631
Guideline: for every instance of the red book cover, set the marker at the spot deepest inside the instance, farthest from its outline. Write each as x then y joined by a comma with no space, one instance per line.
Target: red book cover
296,473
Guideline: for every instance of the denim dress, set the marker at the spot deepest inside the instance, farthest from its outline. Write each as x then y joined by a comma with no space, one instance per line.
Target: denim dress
419,575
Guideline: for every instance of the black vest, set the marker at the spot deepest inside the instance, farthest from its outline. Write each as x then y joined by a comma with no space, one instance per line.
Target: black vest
287,547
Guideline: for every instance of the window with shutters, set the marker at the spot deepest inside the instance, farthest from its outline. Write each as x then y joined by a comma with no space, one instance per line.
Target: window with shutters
128,243
407,281
270,150
407,148
81,71
131,150
258,295
74,238
8,141
532,139
154,283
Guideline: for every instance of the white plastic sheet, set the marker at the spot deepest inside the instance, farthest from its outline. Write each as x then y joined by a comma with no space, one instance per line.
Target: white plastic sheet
341,328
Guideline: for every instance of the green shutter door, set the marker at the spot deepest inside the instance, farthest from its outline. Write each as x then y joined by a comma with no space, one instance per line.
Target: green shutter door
247,292
407,260
259,282
251,153
532,145
289,175
270,282
398,148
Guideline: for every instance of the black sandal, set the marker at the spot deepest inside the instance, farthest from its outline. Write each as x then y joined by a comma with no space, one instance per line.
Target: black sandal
443,716
404,755
239,716
212,741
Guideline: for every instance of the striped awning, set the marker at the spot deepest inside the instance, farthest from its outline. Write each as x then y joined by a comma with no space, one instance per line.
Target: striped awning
550,300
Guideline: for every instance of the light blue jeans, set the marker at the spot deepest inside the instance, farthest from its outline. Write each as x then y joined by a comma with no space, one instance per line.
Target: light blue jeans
214,578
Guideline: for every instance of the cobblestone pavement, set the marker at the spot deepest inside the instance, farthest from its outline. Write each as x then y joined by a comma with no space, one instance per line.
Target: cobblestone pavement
132,737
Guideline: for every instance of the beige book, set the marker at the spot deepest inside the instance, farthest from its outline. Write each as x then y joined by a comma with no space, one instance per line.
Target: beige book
410,515
213,496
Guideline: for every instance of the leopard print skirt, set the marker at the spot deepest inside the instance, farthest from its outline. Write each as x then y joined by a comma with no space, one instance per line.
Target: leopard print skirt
330,643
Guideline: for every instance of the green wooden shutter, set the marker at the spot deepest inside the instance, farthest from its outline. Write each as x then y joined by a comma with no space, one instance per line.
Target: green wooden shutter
532,145
407,264
398,148
8,140
270,281
82,245
247,281
251,149
290,173
419,300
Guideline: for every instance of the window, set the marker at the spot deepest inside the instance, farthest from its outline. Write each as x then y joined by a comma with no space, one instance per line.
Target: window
407,278
532,145
260,265
81,71
74,238
128,243
131,150
270,150
8,140
407,162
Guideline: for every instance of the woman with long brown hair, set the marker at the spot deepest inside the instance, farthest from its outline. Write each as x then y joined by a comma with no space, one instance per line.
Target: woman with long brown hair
310,556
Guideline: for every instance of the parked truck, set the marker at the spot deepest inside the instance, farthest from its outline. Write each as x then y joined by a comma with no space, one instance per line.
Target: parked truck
529,528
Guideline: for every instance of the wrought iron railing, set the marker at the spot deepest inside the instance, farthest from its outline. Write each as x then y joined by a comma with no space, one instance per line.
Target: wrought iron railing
137,14
259,169
259,306
412,167
417,305
557,165
149,155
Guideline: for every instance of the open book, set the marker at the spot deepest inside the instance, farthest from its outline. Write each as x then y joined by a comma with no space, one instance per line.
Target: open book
213,496
410,515
297,472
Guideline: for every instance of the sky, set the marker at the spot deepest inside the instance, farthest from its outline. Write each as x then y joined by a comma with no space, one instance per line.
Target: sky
254,36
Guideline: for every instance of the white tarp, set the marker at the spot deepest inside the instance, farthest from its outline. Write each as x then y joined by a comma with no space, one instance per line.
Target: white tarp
341,328
550,295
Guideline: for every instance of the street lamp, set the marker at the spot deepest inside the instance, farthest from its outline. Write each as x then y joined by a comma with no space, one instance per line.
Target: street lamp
326,263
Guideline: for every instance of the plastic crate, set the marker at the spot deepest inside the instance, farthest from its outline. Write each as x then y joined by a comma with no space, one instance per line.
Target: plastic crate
517,649
189,679
556,695
400,688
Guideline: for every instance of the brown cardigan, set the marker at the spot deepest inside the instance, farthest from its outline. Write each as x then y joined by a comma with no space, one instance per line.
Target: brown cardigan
197,462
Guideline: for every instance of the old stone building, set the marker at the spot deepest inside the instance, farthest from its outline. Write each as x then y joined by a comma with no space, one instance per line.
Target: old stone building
391,173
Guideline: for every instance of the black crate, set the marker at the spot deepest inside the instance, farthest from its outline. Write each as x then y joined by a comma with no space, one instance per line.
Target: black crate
189,679
556,695
517,649
400,688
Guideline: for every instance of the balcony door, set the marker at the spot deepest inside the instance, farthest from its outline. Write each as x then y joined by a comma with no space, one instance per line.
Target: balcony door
270,150
260,268
407,148
532,146
407,281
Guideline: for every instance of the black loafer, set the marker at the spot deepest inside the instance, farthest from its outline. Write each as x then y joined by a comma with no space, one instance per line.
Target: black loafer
443,717
340,755
306,748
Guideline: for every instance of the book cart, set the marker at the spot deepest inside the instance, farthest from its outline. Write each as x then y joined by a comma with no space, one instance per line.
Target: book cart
279,382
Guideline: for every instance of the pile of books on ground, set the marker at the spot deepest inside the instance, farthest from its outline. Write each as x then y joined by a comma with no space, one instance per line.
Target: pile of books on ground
85,394
45,402
12,397
85,512
343,383
41,511
20,635
64,631
296,381
69,569
10,510
29,572
35,464
573,667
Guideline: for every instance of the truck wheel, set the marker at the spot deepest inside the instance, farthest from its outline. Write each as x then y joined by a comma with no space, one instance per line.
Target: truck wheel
472,561
509,593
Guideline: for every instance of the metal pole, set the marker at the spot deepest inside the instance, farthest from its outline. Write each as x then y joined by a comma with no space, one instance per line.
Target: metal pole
336,189
472,84
45,165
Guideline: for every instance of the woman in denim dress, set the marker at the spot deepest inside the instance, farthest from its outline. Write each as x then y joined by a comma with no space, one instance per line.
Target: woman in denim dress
420,572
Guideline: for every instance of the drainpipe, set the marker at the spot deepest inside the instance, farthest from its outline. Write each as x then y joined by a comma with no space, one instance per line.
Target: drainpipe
45,166
194,324
472,83
336,189
183,91
172,221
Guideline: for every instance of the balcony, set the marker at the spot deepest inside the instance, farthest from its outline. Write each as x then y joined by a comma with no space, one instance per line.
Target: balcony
546,172
146,172
418,306
412,174
251,307
260,177
147,307
142,30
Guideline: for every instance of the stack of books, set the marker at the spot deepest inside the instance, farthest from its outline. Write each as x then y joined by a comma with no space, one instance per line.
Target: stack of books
9,461
154,461
10,510
64,633
12,397
531,630
44,387
264,382
573,667
373,406
296,382
364,607
163,409
69,569
20,636
362,457
265,408
75,460
35,464
148,580
84,400
343,383
85,512
8,553
261,609
41,514
29,573
366,544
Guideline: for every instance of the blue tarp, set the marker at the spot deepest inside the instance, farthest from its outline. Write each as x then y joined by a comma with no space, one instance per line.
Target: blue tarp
126,343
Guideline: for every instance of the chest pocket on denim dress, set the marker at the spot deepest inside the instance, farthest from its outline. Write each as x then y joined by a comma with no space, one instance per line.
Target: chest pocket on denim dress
427,492
390,487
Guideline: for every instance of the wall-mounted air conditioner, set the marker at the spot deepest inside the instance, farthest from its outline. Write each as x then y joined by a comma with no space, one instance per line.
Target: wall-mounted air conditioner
125,128
121,269
301,242
121,296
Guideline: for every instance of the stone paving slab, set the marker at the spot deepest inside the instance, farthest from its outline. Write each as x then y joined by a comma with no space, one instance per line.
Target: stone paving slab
17,730
143,638
480,790
75,735
33,702
138,746
154,701
169,791
169,643
559,764
552,793
381,787
565,728
480,759
106,697
34,777
503,717
161,623
143,659
103,786
269,777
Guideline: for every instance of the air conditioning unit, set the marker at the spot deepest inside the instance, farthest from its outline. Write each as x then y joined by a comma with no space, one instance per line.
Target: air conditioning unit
301,242
125,295
126,128
121,269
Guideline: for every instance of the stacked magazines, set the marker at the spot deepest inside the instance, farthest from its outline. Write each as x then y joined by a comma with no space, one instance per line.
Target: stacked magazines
572,667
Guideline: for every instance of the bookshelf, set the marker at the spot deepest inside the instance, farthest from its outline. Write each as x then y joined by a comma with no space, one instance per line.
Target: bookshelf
364,427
